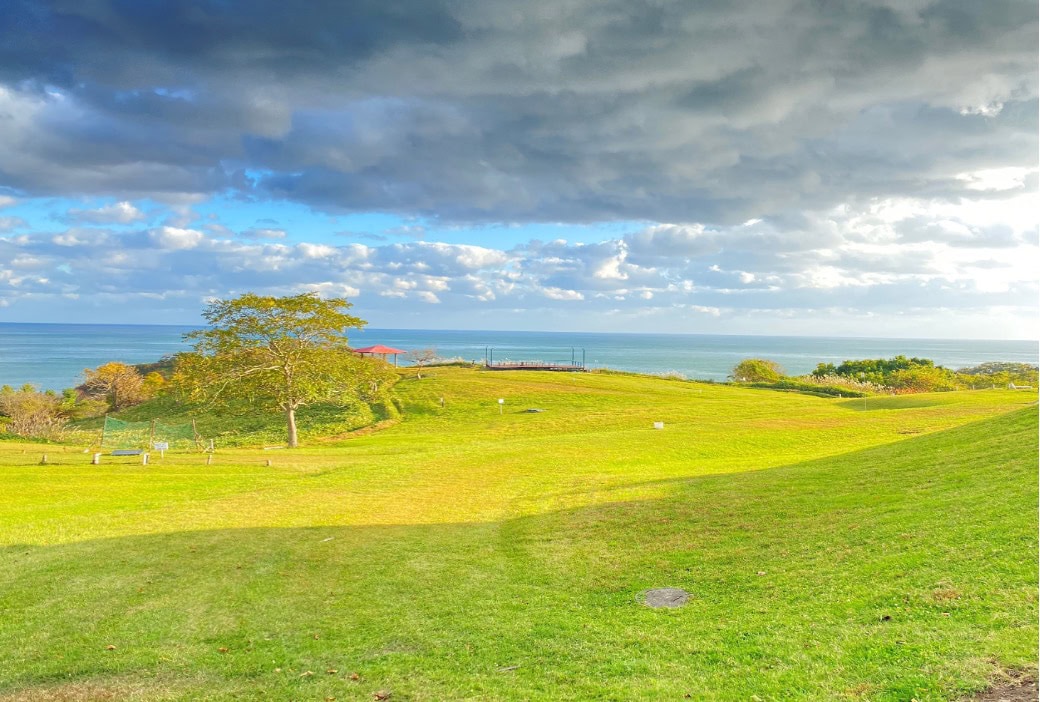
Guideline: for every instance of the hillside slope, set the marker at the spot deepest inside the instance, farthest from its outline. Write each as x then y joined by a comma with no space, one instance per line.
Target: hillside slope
469,555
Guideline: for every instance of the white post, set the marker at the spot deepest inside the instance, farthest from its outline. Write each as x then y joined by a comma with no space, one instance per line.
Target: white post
500,403
95,459
144,459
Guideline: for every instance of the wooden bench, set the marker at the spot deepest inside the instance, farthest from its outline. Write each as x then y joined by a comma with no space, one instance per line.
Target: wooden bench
127,452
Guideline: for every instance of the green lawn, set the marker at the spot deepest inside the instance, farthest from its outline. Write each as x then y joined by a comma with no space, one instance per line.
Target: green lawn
883,549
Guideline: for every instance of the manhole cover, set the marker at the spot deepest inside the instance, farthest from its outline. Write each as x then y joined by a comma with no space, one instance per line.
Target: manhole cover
666,597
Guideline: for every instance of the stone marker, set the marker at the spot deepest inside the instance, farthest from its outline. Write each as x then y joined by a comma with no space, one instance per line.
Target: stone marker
666,597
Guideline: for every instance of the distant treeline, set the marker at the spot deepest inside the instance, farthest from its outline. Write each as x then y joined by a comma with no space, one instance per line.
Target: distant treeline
895,375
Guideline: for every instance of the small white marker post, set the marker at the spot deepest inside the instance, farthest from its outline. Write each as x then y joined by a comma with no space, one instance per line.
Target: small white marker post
500,403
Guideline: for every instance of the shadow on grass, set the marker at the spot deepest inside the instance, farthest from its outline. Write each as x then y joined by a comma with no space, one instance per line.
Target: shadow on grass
897,402
904,570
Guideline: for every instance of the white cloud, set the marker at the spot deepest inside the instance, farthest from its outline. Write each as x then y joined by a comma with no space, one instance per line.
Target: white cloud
80,237
882,257
174,238
331,289
316,250
996,179
117,213
559,294
9,223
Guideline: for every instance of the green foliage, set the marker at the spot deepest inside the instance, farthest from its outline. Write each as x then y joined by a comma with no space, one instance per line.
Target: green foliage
279,353
1025,370
900,374
999,373
164,367
236,423
873,370
922,379
757,370
78,408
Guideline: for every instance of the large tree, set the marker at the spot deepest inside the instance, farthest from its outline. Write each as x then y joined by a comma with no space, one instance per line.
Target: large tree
279,352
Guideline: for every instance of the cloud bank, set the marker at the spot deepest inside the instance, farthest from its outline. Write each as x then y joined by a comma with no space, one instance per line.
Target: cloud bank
780,158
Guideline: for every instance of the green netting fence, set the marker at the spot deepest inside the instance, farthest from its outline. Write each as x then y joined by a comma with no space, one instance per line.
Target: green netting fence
118,434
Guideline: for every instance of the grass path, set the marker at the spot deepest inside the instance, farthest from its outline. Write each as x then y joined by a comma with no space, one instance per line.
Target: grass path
464,554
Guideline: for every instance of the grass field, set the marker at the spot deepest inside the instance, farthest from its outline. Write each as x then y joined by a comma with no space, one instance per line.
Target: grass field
878,549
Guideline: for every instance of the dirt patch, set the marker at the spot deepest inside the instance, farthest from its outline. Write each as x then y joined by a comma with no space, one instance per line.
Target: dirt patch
665,597
1022,689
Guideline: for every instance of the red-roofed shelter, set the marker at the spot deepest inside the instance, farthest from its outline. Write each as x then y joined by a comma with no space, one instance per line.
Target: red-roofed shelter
380,350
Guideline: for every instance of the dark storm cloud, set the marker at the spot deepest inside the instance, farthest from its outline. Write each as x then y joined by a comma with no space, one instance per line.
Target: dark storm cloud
494,110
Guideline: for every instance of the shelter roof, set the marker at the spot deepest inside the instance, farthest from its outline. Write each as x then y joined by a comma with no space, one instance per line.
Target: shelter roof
378,348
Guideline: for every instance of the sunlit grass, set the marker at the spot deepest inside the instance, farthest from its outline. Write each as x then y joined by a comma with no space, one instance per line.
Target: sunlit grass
468,554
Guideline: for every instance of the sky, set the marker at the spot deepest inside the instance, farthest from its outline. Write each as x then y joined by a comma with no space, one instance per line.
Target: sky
855,168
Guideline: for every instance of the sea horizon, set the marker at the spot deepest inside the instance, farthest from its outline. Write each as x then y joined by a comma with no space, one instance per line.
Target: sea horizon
549,331
52,355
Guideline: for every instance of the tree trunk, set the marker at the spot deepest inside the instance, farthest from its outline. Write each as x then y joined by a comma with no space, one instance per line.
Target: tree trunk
290,418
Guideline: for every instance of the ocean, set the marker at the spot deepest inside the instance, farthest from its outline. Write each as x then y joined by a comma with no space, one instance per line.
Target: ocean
53,356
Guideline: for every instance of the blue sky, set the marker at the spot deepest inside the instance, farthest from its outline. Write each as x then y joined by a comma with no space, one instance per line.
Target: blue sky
867,168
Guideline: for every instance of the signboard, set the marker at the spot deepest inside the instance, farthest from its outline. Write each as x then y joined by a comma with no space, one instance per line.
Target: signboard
161,446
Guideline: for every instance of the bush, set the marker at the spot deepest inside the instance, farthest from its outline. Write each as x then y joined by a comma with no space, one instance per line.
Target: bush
922,379
757,370
32,414
898,374
999,373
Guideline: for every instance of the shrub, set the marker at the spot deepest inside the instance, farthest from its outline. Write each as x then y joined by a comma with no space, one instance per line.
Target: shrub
922,379
999,373
757,370
874,370
32,414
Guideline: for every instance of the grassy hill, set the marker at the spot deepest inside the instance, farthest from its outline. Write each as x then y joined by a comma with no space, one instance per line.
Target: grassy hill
880,549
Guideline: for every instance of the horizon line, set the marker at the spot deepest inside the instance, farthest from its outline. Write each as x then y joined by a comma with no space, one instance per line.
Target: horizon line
546,331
